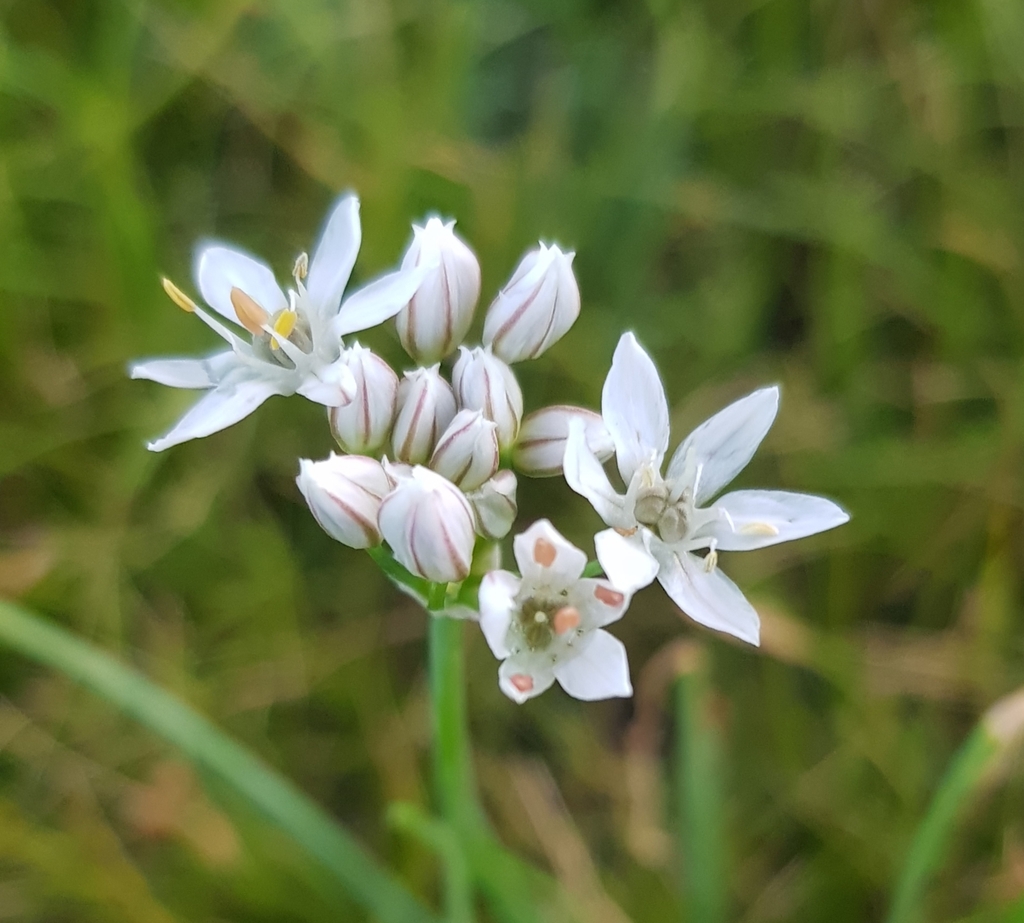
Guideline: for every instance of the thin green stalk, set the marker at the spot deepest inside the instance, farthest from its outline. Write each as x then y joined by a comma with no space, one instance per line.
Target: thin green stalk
215,752
928,848
699,799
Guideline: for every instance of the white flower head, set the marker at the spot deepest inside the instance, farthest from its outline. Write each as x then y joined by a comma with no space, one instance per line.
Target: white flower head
494,505
344,493
467,452
540,448
295,338
428,523
426,407
663,520
534,311
483,382
549,623
438,316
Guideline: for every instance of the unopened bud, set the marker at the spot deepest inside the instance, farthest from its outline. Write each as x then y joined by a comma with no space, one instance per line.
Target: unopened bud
426,405
534,311
541,445
495,505
363,424
483,382
467,452
344,494
438,316
428,523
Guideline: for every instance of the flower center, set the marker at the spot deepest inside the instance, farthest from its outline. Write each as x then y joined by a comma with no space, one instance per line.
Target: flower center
655,509
540,622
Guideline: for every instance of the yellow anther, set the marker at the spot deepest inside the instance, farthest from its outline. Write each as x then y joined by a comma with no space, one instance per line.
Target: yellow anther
283,326
758,528
178,296
250,314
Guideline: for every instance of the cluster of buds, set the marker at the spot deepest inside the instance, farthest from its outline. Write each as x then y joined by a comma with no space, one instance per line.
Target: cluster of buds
428,460
423,469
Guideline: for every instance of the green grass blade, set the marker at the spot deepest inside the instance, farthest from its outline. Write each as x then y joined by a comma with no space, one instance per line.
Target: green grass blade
215,752
699,797
999,729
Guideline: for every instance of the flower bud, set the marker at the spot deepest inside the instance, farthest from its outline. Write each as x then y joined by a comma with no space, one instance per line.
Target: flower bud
344,494
438,316
467,452
541,446
363,424
534,311
494,505
428,523
426,405
483,382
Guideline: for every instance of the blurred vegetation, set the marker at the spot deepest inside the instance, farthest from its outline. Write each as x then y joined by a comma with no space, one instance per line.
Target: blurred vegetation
829,195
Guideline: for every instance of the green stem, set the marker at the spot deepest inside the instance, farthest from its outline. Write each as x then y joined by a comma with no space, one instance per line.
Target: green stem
454,785
217,753
932,837
699,799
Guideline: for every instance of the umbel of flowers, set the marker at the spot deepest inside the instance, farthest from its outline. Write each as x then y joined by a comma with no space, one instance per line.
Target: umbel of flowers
426,476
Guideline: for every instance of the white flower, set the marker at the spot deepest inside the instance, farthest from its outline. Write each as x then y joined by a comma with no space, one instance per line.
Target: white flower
426,407
548,624
296,338
661,521
494,505
534,311
438,316
540,447
483,382
344,493
428,523
363,424
467,452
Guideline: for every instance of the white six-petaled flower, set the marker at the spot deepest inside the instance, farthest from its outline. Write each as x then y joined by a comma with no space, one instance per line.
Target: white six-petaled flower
661,521
549,623
296,339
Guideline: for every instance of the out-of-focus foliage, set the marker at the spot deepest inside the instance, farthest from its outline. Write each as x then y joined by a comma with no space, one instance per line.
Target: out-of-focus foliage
829,195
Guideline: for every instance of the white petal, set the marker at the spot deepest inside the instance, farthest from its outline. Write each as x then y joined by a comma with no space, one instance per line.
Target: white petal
333,385
185,373
375,303
334,258
219,269
584,474
497,600
546,558
708,597
627,560
722,445
756,518
599,671
634,408
602,601
217,410
511,676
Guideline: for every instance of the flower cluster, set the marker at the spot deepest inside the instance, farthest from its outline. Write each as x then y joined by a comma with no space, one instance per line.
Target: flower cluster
427,463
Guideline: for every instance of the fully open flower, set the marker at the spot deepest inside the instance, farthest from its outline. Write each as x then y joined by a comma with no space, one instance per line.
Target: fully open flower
661,521
548,624
295,345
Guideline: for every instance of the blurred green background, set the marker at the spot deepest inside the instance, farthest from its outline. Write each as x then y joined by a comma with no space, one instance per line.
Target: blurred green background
825,194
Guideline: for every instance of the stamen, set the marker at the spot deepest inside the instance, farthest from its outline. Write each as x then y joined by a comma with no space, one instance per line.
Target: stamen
521,681
608,596
544,553
758,528
301,268
711,561
566,619
250,314
178,296
284,325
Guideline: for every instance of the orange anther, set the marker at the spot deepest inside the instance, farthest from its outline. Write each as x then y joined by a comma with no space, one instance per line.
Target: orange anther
608,596
521,681
250,314
544,552
566,619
